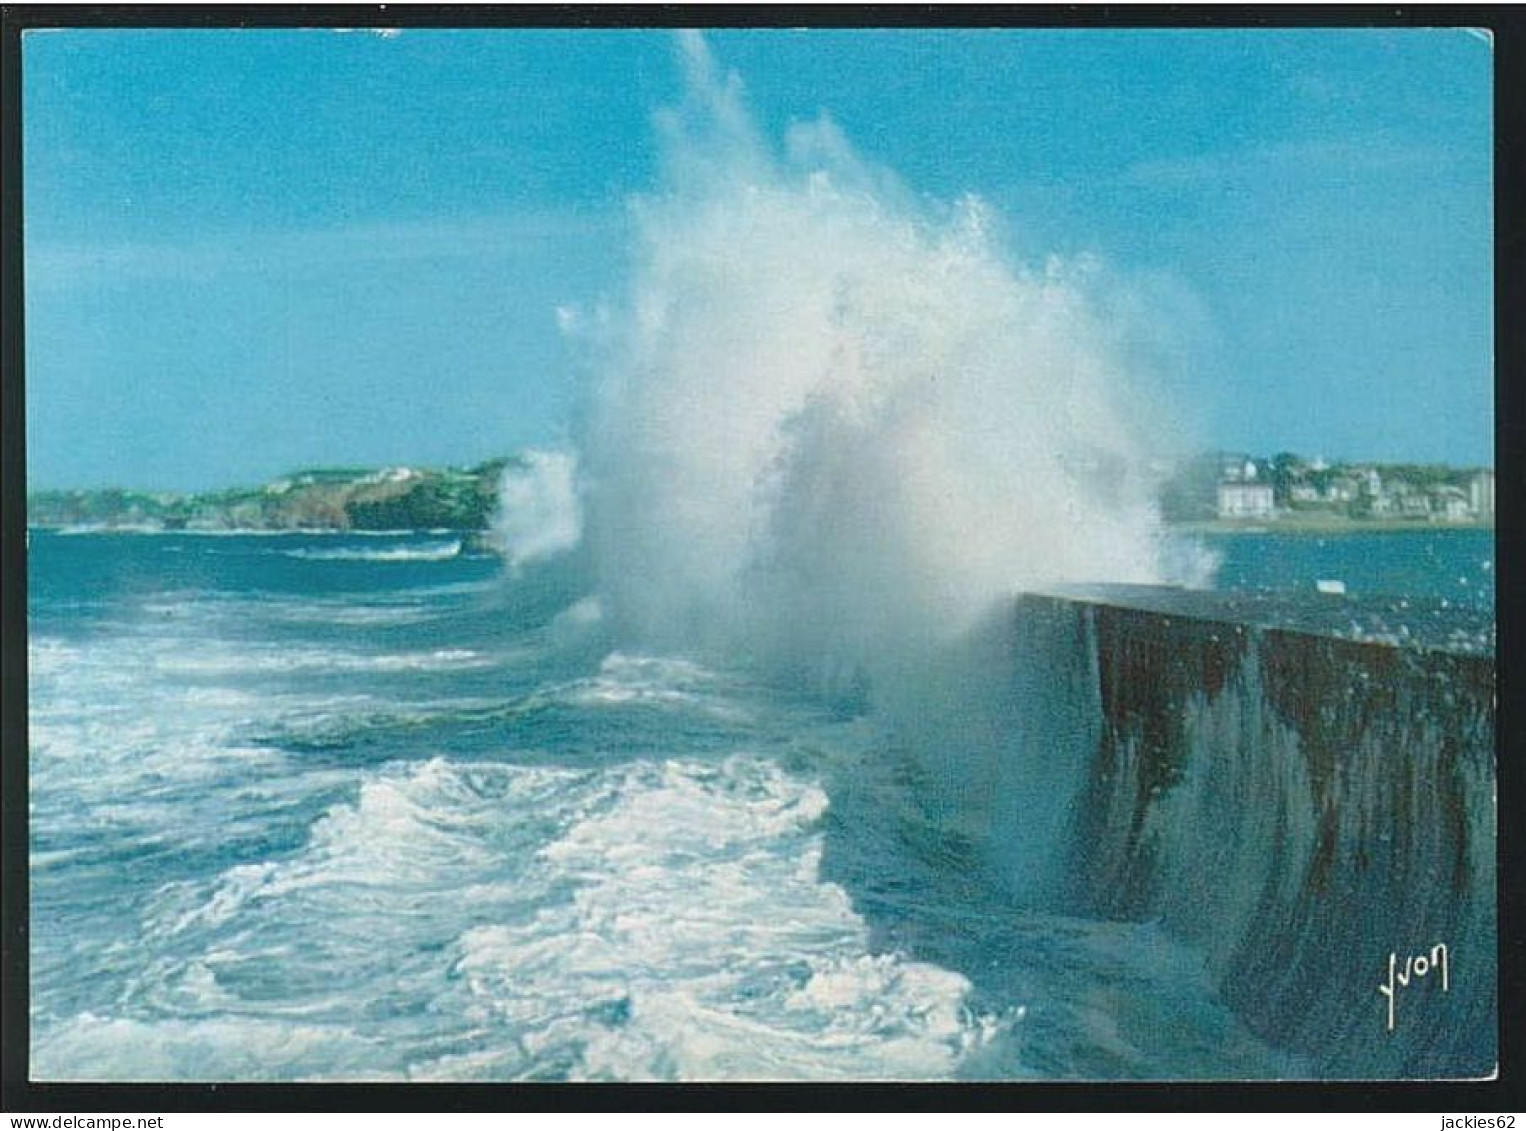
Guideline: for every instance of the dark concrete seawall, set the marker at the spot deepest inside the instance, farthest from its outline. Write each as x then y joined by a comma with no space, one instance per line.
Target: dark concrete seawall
1299,806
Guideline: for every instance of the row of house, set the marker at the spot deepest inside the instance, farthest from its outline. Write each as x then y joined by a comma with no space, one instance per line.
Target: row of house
1251,489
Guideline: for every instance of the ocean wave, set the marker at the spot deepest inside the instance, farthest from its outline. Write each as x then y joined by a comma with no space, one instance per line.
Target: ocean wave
347,613
277,660
233,531
102,528
642,921
700,943
88,1047
625,679
412,829
431,552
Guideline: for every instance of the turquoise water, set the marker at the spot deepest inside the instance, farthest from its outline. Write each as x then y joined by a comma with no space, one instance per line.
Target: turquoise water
330,807
1456,566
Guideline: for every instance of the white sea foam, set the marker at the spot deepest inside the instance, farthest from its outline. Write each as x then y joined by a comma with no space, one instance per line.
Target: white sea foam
198,1049
104,528
700,943
277,660
653,681
649,921
411,831
428,552
346,612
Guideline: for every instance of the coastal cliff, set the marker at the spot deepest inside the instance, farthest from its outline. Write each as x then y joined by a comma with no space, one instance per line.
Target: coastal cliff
399,498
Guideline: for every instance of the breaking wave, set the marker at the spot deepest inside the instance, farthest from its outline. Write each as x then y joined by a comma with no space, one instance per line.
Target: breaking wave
834,424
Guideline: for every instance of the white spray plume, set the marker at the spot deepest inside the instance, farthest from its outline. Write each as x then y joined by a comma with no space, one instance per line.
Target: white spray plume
540,514
834,424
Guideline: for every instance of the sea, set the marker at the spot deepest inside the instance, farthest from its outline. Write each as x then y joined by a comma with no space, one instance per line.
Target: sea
321,807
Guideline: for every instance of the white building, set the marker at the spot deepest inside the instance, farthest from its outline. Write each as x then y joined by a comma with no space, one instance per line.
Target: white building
1481,494
1234,468
1452,505
1412,505
1245,500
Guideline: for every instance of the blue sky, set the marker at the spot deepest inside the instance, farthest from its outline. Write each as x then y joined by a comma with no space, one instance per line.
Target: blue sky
249,251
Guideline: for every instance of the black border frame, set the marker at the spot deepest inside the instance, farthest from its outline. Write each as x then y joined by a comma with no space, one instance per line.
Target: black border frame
1505,1093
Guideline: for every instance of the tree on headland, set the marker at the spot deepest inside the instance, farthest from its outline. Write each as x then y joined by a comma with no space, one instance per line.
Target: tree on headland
1286,470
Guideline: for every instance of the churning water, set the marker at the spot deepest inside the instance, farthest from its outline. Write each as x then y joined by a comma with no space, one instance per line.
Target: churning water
310,807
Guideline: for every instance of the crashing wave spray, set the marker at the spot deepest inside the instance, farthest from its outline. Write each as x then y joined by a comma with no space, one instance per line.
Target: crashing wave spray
539,513
834,426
